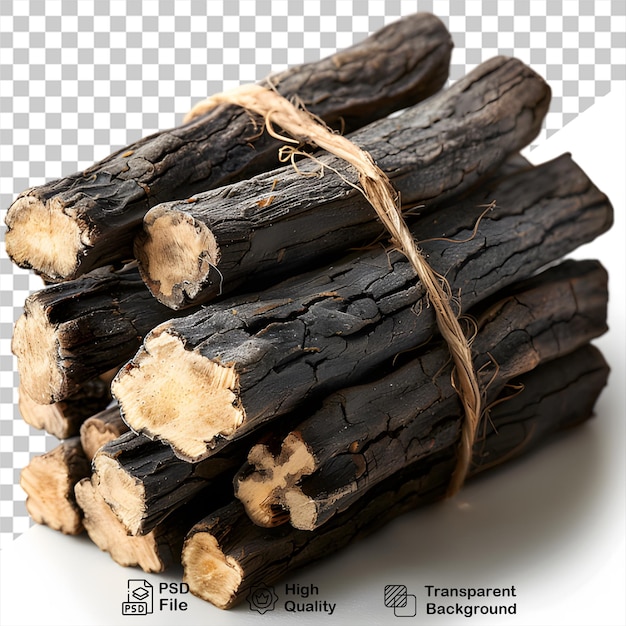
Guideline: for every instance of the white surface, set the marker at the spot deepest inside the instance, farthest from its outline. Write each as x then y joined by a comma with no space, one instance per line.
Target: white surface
552,524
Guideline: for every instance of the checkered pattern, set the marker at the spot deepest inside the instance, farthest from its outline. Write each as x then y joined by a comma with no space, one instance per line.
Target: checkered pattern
80,79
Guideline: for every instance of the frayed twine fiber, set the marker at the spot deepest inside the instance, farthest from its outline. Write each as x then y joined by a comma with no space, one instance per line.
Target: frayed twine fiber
306,128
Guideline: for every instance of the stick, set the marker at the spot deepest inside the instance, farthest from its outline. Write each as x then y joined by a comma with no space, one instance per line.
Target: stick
248,360
155,551
225,555
284,221
144,482
70,226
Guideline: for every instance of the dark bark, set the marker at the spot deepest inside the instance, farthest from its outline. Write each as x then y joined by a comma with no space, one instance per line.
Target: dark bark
282,222
569,299
155,551
247,360
364,434
74,331
78,329
225,555
49,481
97,211
144,482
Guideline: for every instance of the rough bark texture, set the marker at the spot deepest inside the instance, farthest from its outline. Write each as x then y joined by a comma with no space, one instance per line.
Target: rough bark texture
105,530
161,482
364,434
225,555
49,481
101,428
282,222
144,482
74,331
247,360
63,419
95,213
154,551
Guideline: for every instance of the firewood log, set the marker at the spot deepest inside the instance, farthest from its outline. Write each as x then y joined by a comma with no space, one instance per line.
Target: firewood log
248,359
226,555
105,530
49,481
63,419
285,220
69,226
74,331
101,428
155,551
364,434
144,482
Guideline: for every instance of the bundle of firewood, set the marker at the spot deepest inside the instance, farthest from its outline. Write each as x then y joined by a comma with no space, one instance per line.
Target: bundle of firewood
245,373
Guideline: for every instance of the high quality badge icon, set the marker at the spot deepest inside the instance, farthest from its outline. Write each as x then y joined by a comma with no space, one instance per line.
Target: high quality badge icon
262,599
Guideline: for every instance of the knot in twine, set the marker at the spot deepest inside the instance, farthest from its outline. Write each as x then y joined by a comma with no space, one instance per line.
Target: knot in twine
303,127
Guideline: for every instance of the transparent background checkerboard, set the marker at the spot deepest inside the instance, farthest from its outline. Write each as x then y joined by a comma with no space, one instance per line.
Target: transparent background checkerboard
81,78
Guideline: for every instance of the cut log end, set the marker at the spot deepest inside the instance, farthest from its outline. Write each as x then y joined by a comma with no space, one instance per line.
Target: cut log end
101,428
177,256
49,480
37,350
94,437
46,417
210,574
120,491
270,493
105,530
41,236
164,369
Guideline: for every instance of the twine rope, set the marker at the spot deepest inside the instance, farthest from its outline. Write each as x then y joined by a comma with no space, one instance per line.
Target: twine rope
303,127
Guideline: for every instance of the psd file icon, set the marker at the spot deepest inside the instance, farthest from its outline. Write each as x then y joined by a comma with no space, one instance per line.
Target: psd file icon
403,603
139,598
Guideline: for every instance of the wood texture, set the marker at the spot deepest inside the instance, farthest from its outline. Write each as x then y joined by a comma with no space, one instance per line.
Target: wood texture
247,360
99,429
63,419
289,219
75,331
364,434
144,482
155,551
225,555
49,481
69,226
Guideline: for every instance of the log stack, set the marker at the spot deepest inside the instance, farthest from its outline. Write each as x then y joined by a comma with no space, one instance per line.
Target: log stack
244,373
